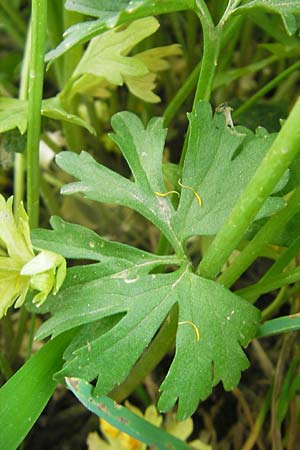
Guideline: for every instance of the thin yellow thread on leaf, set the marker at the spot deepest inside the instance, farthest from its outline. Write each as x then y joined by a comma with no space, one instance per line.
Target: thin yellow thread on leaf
189,322
199,199
165,194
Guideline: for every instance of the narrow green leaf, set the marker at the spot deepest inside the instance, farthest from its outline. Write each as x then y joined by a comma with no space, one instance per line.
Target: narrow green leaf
123,419
280,325
24,396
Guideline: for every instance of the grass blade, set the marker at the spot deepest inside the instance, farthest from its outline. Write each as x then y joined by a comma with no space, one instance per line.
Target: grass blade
24,396
123,419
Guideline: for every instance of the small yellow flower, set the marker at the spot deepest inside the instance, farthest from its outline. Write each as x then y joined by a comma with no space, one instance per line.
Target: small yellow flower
20,269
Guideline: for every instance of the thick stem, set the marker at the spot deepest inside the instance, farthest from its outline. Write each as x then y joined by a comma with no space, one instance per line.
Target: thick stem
35,92
282,152
264,236
211,51
251,293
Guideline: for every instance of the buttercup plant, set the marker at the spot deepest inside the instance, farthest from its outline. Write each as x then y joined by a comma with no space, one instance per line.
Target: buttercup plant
227,197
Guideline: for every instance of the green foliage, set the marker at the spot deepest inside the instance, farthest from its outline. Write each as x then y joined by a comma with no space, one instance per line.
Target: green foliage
110,314
14,114
286,8
110,16
211,142
20,407
106,63
123,283
123,418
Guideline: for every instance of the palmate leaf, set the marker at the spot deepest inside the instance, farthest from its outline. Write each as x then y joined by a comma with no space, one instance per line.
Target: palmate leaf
213,324
211,171
286,8
118,303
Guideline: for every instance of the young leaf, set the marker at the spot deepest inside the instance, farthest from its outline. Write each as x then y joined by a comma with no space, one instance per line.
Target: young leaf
219,163
105,63
106,54
110,15
286,8
213,324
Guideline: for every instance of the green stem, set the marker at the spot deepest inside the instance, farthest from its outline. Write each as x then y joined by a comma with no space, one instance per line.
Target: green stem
281,263
36,79
284,259
181,95
282,152
211,50
284,324
251,293
264,236
19,167
55,35
73,134
273,307
267,88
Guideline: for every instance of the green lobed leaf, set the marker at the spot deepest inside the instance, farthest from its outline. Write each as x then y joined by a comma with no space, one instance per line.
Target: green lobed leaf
219,163
111,14
217,155
286,8
213,324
